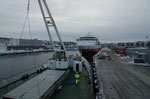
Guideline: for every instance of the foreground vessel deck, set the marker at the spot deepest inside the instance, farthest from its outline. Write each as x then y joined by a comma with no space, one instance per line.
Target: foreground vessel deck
37,87
72,91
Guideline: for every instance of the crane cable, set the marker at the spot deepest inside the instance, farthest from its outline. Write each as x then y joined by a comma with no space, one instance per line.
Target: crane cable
15,58
27,20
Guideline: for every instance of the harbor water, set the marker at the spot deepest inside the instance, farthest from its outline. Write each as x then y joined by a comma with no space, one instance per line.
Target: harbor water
13,67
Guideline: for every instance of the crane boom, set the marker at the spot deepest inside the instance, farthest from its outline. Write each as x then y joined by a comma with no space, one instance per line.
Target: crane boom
49,22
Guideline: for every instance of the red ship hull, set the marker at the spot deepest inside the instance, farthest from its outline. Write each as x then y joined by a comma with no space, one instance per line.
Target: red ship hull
90,50
89,53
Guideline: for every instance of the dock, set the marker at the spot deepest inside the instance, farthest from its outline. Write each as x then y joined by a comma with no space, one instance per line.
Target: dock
41,86
16,52
122,80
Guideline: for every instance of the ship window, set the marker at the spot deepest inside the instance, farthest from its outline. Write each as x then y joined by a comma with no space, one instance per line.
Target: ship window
77,67
132,44
139,56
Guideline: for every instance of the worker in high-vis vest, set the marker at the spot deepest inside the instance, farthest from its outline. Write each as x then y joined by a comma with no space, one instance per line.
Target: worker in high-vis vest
77,76
79,57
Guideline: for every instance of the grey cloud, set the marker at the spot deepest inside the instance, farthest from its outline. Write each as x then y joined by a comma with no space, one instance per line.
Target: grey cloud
110,20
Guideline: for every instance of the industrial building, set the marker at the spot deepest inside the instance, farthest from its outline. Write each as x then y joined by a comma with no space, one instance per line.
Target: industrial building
133,44
24,42
4,40
137,50
70,46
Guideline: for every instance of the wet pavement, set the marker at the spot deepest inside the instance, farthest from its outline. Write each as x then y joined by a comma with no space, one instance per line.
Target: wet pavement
122,80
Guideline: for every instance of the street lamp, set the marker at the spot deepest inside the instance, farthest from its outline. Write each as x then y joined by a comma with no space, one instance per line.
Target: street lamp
146,38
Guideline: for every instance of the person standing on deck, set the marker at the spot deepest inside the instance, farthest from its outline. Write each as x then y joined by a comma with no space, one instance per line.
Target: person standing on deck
77,76
79,57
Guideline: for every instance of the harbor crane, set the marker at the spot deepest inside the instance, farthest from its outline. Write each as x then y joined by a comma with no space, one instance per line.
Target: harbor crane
60,58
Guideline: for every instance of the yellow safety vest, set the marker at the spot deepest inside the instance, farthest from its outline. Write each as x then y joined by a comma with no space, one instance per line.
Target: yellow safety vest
79,57
77,75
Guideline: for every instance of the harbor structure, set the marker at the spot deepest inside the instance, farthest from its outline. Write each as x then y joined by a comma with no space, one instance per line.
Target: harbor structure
25,42
138,50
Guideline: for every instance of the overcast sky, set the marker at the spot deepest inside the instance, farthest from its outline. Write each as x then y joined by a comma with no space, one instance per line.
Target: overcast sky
109,20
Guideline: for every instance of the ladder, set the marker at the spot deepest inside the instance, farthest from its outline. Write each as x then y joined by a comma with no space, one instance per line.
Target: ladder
50,23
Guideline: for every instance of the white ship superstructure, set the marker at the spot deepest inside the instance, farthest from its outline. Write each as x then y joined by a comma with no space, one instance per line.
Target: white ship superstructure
88,45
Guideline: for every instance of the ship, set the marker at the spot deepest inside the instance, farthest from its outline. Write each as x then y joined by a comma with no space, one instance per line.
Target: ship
88,46
60,67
